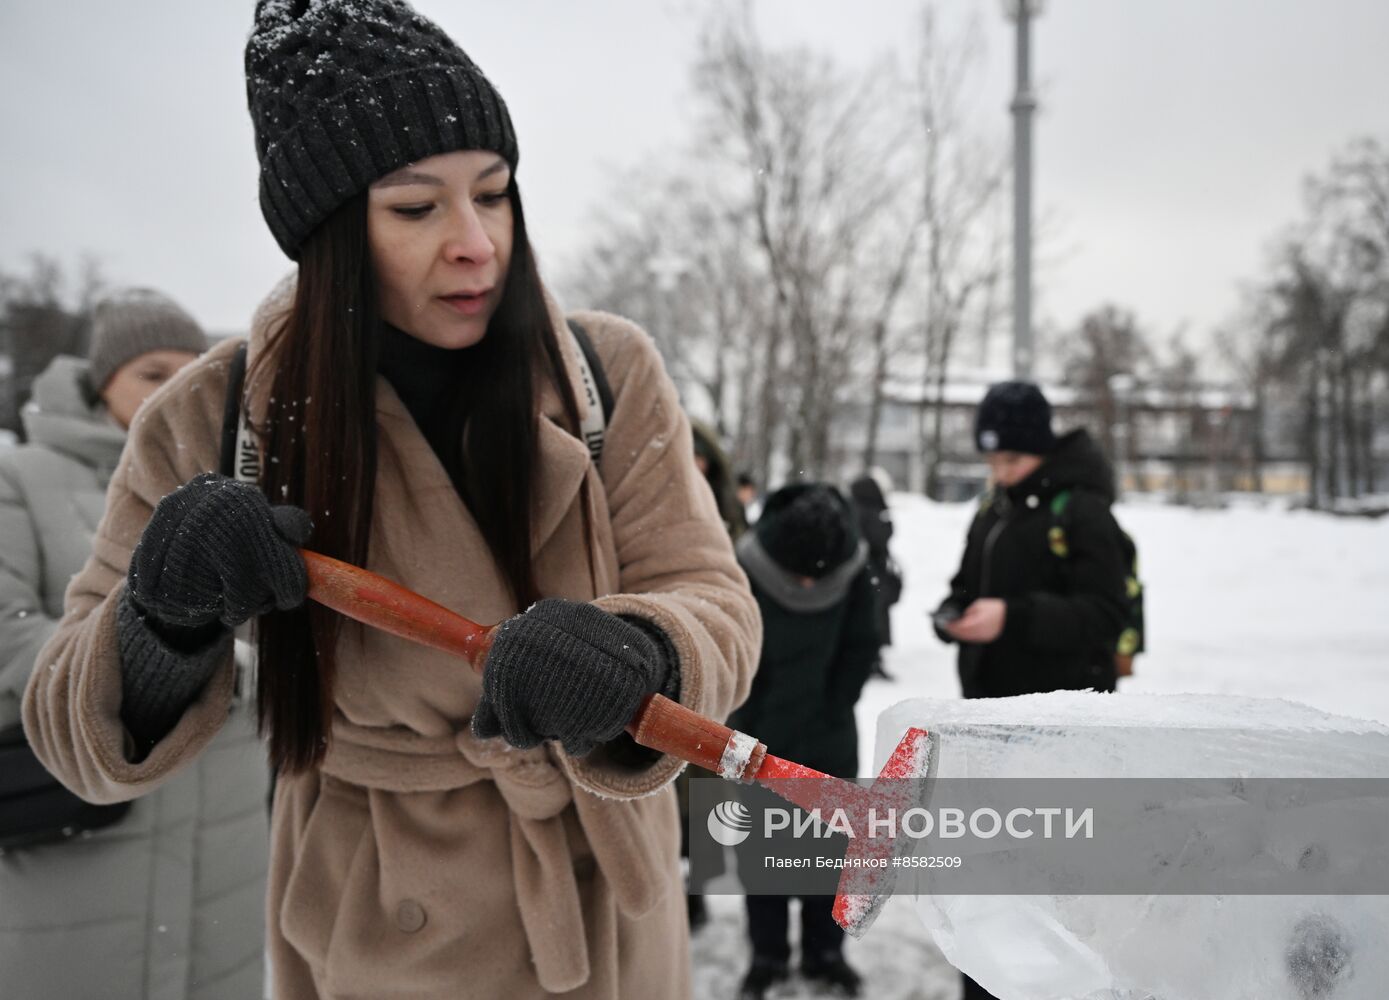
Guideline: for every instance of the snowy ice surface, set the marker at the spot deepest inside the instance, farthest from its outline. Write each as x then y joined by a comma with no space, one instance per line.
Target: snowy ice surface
1081,734
1272,947
1256,602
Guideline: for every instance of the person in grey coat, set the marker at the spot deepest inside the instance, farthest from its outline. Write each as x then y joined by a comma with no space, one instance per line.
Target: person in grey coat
167,903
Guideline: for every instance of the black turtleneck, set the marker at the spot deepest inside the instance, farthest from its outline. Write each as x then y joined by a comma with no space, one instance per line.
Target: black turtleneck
427,380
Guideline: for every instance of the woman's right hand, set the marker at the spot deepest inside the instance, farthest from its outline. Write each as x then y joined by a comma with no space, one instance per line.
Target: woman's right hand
943,617
215,550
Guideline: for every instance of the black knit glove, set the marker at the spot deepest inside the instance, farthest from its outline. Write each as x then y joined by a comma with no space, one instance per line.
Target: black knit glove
215,550
571,672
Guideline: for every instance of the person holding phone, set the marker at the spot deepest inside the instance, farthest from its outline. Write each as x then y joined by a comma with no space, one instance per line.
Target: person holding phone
1033,610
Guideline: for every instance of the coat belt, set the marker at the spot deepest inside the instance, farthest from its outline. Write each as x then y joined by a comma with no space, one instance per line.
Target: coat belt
536,792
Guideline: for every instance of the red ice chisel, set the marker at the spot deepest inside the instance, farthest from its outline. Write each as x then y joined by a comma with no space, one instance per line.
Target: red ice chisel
669,727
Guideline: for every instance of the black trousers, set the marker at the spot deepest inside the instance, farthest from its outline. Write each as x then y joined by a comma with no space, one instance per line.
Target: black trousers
769,921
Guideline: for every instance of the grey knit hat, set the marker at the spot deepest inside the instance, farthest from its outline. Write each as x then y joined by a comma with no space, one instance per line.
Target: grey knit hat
343,92
134,321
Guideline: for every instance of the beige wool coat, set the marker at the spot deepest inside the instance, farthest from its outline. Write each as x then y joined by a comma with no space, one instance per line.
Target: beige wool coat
420,861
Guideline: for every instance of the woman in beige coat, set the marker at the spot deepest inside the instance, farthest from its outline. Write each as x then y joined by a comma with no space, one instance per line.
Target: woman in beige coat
419,399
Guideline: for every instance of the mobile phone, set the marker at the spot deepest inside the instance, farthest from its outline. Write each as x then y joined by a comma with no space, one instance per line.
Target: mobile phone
945,616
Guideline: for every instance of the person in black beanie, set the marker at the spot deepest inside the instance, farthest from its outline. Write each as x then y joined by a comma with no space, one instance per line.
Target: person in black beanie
809,571
414,401
1037,603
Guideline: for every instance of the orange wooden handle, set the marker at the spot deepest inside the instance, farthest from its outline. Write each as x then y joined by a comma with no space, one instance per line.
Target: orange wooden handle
367,597
670,727
373,600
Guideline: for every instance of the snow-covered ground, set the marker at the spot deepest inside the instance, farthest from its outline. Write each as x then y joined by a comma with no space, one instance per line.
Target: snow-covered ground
1250,601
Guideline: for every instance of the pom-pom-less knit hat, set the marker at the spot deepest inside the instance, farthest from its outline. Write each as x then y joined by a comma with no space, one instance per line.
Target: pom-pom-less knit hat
130,322
807,529
1014,416
343,92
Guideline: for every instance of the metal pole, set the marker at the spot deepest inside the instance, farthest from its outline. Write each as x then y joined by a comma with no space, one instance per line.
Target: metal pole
1024,101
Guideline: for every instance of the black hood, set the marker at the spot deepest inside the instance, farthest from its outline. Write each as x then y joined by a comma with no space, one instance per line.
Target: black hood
866,492
1076,462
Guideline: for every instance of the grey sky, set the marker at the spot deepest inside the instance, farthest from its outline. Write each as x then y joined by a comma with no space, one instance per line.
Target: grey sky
1171,143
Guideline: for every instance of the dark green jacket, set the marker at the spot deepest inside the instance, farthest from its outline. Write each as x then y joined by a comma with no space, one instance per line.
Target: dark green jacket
1064,613
719,475
813,667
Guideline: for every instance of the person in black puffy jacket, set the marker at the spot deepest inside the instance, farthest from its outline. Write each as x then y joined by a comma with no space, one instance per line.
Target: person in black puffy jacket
1037,604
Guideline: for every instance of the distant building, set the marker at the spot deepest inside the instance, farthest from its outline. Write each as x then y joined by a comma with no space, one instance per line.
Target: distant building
1196,441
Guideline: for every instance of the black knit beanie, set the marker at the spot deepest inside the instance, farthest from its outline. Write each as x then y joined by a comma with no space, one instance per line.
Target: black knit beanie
807,529
343,92
1014,416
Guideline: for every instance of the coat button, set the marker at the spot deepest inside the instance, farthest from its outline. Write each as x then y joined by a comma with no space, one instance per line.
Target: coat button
1032,501
409,916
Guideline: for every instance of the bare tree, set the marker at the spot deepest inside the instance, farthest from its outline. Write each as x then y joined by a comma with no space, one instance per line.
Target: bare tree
810,151
773,258
1349,207
1108,342
1177,376
1244,349
674,259
43,313
1306,334
1327,332
884,348
962,177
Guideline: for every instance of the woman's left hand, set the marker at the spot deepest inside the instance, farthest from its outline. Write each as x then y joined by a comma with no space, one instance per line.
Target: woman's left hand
567,671
982,621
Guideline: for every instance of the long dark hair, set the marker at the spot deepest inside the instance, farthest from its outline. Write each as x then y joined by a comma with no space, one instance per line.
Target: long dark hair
319,442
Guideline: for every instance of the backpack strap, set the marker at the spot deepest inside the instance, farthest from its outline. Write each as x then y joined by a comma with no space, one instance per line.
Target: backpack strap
1131,637
599,393
240,458
231,411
